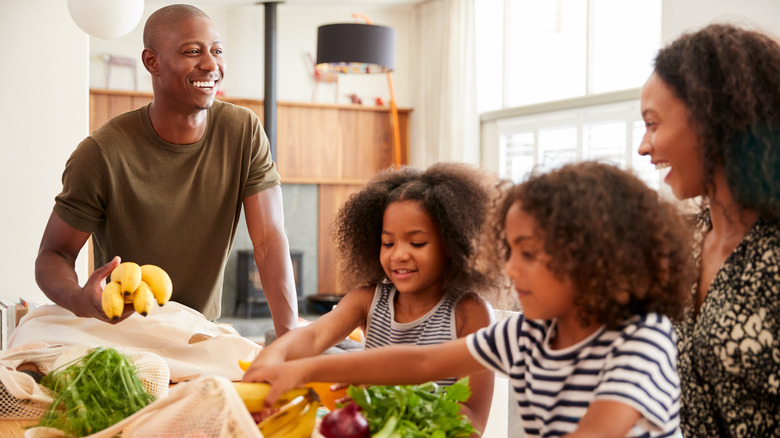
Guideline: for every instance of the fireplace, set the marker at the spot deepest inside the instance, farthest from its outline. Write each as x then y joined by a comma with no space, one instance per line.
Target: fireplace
250,289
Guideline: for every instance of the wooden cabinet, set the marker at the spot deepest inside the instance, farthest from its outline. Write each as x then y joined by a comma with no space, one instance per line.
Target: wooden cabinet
336,147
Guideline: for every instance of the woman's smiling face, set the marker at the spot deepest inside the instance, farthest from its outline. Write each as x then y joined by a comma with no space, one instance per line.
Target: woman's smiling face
671,140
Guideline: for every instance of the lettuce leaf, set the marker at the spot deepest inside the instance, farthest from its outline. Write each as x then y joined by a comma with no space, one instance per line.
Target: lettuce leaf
412,411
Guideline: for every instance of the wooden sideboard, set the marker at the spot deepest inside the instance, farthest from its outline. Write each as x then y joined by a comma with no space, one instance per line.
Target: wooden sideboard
336,147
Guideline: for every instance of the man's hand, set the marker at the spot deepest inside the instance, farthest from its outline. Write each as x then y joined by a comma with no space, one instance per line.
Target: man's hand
92,293
56,276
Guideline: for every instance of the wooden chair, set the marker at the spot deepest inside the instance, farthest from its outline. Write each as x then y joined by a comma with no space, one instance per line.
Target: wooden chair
121,61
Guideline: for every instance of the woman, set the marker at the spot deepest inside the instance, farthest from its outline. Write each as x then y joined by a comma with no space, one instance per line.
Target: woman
712,111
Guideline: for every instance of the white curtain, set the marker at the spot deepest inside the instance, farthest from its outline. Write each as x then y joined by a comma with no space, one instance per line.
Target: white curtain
446,123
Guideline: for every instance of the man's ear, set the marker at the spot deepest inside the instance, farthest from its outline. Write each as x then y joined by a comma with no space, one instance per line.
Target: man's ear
149,58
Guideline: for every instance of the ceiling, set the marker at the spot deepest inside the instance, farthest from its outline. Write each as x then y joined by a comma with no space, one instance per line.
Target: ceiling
302,3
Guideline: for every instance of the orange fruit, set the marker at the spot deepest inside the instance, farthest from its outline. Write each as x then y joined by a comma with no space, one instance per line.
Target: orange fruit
357,335
327,397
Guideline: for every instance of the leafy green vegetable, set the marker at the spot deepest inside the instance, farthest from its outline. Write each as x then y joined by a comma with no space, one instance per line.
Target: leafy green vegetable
94,392
415,411
388,429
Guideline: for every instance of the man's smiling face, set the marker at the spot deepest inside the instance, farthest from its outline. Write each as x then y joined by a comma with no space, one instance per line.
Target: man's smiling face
190,64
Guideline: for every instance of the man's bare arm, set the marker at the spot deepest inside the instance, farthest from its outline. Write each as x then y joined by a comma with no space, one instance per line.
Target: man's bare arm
265,222
55,272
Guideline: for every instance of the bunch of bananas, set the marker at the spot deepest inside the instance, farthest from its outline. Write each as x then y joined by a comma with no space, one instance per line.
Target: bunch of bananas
139,285
296,414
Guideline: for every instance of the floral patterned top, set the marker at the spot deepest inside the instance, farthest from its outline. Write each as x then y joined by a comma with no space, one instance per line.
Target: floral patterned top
729,354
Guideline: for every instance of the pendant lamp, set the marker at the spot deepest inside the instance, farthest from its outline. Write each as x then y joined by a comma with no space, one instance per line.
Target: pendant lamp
359,48
106,19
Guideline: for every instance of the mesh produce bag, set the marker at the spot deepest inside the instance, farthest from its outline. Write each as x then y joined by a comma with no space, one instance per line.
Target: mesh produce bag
188,345
150,368
207,407
21,398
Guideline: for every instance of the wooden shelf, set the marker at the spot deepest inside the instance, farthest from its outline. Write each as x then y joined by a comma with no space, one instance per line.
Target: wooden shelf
315,143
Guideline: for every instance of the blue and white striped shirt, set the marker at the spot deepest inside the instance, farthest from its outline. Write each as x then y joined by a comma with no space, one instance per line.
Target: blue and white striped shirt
635,364
435,327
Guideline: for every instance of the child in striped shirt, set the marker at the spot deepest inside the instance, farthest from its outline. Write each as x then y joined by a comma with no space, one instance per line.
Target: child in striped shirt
600,264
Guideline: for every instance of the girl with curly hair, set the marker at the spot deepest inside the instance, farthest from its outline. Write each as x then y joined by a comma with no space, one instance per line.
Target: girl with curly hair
712,110
405,241
600,264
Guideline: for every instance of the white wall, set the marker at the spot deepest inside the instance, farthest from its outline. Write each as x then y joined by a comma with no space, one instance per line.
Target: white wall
242,29
678,16
43,114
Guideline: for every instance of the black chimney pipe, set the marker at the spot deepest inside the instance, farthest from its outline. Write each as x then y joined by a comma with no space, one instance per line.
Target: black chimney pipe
269,101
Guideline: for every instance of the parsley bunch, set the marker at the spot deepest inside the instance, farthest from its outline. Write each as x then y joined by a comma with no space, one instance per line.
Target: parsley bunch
413,411
94,392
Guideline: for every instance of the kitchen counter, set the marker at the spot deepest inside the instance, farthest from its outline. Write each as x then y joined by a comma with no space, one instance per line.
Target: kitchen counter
14,428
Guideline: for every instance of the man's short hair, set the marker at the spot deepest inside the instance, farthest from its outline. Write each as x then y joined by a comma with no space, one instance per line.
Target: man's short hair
161,19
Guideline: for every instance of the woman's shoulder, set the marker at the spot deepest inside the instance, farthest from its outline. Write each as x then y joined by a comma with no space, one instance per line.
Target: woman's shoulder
759,254
767,237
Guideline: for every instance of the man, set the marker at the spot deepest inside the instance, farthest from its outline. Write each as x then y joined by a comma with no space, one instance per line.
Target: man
165,185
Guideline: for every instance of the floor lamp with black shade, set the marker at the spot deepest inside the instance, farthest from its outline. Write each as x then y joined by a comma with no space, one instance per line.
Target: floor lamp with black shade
360,48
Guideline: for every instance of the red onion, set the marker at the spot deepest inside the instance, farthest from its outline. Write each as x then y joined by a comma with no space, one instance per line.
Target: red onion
345,422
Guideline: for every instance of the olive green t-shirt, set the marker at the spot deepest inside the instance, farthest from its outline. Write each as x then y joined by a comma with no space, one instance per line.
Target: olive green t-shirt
175,206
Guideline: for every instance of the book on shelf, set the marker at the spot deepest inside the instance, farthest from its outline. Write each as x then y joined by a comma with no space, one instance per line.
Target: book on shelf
10,316
24,308
3,326
21,310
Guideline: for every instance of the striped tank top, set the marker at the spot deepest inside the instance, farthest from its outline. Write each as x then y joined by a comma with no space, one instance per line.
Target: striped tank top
435,327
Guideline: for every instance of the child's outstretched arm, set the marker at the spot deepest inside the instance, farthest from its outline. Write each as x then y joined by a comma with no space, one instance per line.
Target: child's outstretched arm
392,365
638,385
472,314
605,419
325,332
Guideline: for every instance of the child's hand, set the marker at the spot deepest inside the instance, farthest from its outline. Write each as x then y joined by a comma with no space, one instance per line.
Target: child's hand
266,357
337,387
346,399
282,377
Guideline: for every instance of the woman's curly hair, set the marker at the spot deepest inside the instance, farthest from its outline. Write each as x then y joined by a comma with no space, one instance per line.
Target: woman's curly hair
625,250
728,79
456,195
